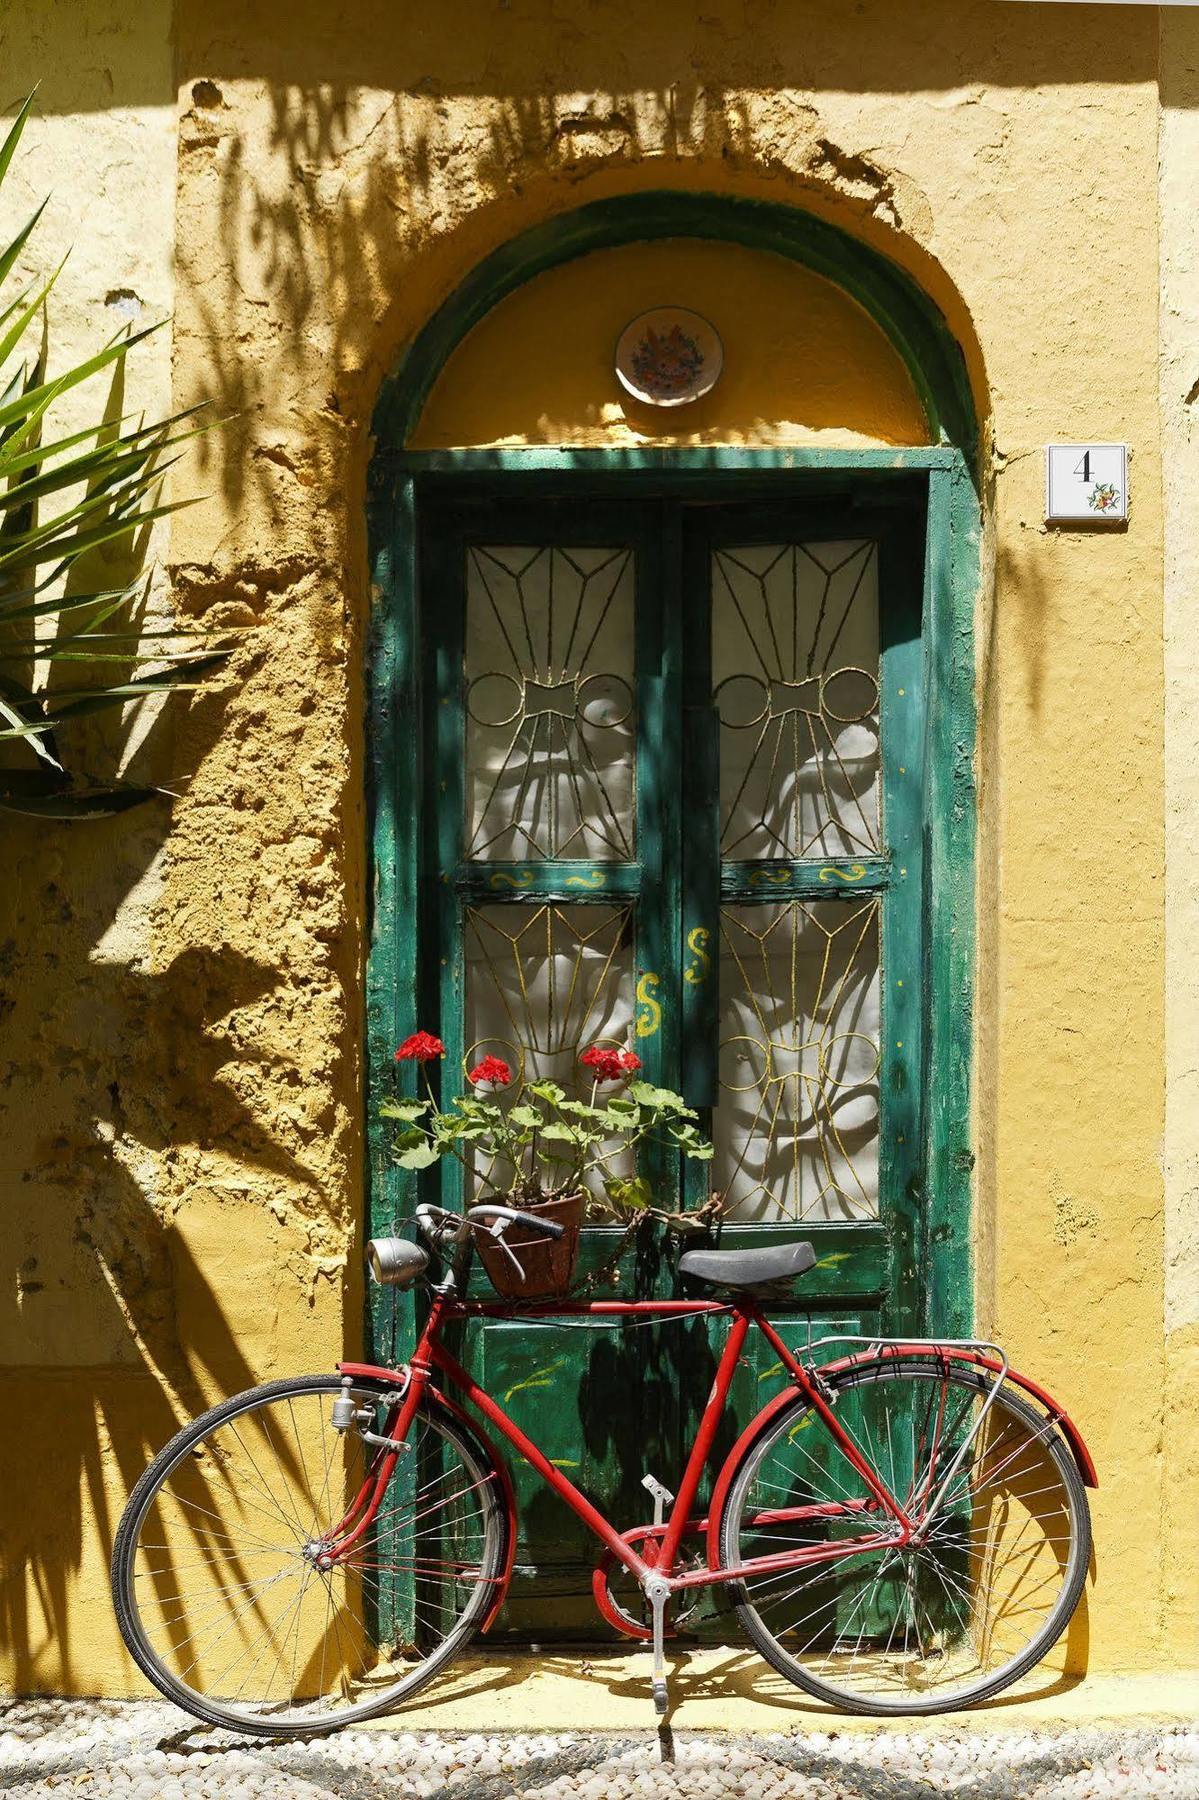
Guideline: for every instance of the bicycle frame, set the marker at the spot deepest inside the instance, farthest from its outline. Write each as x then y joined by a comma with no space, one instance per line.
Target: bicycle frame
431,1356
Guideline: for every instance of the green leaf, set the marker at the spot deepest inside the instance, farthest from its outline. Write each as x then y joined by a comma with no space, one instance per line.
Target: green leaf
47,793
22,710
82,802
403,1109
660,1099
618,1121
548,1090
16,331
471,1107
38,398
87,700
526,1118
563,1134
20,603
13,138
71,544
421,1156
11,251
634,1192
447,1128
690,1142
17,460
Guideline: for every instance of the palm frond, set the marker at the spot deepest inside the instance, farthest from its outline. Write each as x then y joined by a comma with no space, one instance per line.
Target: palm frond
71,503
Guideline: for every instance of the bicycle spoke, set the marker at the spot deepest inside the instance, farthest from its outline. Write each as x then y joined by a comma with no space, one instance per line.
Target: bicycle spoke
255,1629
921,1622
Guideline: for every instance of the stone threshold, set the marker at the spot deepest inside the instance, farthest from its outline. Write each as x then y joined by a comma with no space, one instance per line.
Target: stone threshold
732,1690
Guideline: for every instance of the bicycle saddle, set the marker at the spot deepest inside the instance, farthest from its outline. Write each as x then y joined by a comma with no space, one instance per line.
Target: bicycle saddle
748,1268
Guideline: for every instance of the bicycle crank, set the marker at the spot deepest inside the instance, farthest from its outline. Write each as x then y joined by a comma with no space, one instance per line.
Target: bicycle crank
619,1597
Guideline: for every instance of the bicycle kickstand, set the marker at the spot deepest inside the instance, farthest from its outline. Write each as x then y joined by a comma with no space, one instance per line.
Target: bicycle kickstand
658,1593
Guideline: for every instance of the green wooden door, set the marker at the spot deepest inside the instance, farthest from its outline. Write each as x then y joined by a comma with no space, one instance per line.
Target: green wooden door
673,800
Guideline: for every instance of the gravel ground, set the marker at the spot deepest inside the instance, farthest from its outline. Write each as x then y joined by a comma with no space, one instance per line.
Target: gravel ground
88,1749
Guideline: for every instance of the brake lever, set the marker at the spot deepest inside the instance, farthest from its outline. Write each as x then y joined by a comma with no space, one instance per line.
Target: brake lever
497,1232
442,1227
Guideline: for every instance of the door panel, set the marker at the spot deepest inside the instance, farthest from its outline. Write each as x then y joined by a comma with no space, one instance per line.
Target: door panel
796,1127
677,806
550,705
542,981
795,656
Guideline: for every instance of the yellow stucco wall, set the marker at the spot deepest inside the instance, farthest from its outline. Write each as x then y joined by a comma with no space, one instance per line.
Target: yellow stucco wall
330,179
1180,461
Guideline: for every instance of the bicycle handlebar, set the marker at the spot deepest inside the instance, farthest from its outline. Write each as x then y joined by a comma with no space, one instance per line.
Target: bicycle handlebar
434,1220
513,1216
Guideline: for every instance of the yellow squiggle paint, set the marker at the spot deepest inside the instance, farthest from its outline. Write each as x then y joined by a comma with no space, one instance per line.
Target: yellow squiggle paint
649,1010
697,941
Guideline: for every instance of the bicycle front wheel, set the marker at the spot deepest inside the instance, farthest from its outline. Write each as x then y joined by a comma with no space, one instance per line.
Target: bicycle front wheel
974,1603
217,1577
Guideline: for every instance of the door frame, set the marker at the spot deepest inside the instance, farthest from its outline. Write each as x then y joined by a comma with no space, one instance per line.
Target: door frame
932,1243
937,1225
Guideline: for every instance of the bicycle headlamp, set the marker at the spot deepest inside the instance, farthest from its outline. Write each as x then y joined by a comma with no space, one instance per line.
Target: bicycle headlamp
394,1262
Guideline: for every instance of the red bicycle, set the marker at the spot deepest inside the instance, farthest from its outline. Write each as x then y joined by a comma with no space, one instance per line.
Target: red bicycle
903,1529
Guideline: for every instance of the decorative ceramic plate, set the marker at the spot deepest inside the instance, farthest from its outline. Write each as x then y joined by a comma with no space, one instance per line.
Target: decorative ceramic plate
669,357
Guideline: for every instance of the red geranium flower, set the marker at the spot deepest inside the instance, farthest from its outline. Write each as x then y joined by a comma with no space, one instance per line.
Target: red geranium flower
610,1065
421,1047
493,1070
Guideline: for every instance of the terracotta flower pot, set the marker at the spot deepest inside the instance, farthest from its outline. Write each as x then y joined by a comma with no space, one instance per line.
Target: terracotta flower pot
546,1264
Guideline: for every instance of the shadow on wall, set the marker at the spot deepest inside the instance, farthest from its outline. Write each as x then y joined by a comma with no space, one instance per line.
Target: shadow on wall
134,1082
175,1044
332,166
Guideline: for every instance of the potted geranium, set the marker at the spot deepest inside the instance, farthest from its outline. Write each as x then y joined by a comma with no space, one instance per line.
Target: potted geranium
537,1148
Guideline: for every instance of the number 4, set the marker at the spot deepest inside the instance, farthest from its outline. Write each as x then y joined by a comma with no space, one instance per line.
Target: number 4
1084,467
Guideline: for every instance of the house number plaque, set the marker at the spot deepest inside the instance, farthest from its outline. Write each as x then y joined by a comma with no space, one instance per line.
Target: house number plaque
1086,481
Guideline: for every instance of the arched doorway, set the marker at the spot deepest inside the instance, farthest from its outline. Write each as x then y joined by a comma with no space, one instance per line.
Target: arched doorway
672,746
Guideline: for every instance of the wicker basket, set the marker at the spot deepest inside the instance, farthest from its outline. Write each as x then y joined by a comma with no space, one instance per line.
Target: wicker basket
546,1264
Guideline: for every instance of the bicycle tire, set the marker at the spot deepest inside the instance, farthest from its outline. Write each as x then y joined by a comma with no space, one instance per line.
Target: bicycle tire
791,1420
191,1439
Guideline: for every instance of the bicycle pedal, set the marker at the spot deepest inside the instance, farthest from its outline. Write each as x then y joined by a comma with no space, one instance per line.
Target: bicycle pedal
662,1496
661,1698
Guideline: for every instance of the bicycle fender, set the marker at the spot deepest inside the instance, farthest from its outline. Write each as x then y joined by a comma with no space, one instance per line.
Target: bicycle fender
1058,1415
960,1353
507,1491
732,1463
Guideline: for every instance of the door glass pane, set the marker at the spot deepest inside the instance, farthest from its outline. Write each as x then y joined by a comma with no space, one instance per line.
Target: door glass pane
796,1130
544,982
795,665
550,728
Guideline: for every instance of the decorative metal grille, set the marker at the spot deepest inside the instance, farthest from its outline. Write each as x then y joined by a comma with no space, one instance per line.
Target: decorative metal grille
796,1130
543,982
795,660
550,703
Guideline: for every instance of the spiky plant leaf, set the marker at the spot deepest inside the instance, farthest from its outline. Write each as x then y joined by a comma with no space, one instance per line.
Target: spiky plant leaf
64,497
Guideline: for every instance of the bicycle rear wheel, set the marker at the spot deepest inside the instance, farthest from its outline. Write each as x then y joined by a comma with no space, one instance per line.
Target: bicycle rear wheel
935,1625
219,1593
